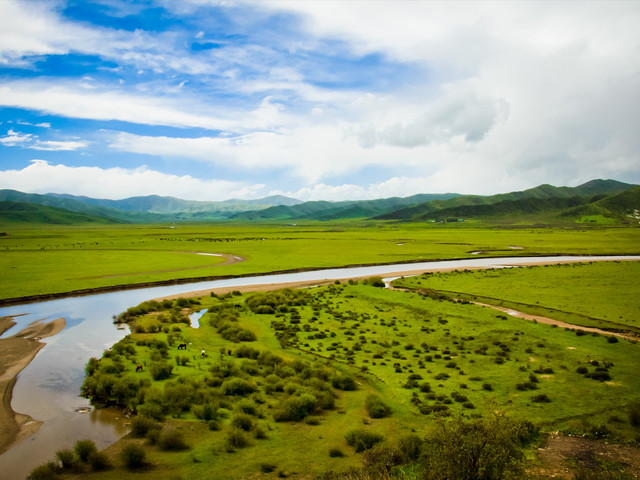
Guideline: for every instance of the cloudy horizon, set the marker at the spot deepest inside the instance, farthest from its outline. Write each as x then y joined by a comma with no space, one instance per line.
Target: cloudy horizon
316,100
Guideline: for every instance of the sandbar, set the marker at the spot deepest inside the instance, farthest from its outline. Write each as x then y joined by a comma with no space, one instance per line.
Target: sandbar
16,352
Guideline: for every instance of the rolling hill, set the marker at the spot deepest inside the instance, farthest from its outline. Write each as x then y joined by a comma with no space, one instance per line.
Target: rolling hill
610,199
322,210
23,212
535,200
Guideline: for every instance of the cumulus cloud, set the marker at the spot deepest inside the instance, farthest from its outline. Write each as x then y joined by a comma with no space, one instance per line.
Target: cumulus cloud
116,183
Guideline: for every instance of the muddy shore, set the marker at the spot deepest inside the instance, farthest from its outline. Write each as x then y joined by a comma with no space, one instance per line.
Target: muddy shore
16,352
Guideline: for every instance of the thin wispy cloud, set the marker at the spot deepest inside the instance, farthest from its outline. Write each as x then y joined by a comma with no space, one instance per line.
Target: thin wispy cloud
318,99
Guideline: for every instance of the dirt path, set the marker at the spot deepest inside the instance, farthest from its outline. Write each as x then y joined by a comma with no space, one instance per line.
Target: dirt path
551,321
230,259
16,353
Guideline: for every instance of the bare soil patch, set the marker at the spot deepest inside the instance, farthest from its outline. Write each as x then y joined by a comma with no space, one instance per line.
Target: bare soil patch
561,456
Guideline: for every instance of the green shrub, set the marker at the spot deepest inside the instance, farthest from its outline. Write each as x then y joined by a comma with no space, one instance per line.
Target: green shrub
362,440
99,461
84,448
236,438
133,456
160,370
342,381
66,457
237,386
140,426
542,398
171,439
487,448
410,446
376,407
46,471
243,422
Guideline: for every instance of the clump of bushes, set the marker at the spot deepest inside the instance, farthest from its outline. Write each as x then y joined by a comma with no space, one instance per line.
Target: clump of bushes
362,440
171,439
140,426
376,408
236,438
342,381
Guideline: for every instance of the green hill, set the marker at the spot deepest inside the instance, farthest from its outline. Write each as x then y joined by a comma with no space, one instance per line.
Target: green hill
23,212
624,206
535,200
171,205
322,210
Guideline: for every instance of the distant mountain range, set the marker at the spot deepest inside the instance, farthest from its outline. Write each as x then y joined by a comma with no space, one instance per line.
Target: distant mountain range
594,200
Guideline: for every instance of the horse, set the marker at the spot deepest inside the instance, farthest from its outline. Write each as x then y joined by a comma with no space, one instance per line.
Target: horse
138,368
182,346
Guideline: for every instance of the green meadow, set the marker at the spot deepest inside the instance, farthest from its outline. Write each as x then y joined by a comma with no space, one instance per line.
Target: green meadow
55,259
591,295
299,383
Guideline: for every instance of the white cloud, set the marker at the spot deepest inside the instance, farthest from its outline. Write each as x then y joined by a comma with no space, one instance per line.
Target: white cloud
32,29
28,140
115,183
53,145
13,138
70,100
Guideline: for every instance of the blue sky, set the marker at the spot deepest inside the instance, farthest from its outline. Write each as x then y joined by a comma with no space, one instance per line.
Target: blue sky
210,100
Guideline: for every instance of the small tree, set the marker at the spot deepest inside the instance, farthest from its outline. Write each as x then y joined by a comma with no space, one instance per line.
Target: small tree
482,449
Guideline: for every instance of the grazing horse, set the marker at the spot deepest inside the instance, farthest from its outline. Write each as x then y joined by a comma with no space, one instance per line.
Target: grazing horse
138,368
182,346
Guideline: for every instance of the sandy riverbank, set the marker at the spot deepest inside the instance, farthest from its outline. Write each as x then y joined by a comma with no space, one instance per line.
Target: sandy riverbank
311,283
16,352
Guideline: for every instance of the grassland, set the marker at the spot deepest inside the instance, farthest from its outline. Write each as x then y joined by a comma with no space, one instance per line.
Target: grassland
425,357
591,295
54,259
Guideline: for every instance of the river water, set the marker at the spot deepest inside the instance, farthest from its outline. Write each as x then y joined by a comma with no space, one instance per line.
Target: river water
48,389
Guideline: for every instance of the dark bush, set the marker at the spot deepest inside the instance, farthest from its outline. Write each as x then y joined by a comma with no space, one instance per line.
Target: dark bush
634,415
46,471
599,376
84,448
236,438
160,370
335,452
362,439
342,381
171,439
542,398
612,339
376,407
141,425
267,467
99,461
242,421
66,457
133,456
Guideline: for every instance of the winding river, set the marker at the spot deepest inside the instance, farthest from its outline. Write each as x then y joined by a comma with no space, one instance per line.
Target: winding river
48,388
